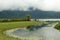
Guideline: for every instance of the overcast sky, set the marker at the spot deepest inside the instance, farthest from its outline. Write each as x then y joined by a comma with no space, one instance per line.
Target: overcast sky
45,5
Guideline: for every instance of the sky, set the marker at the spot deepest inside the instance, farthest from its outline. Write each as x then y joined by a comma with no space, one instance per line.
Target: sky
24,5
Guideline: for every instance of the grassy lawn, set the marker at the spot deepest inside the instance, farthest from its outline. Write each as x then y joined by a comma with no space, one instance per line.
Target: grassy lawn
10,25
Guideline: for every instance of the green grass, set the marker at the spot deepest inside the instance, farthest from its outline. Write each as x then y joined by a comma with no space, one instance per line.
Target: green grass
10,25
57,26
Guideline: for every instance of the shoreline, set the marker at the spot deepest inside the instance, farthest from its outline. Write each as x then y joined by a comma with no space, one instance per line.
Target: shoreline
9,33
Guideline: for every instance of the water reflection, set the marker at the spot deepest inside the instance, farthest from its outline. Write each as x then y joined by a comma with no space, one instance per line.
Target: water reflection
35,27
44,32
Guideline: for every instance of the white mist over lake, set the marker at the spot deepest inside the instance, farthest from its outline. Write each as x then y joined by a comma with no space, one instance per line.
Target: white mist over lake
47,32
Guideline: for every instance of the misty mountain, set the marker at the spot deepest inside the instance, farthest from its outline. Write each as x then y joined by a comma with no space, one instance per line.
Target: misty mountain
34,14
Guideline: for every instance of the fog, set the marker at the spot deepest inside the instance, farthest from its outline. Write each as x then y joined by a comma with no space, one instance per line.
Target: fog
24,5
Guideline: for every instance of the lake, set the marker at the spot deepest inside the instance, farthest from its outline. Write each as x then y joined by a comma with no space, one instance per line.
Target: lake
36,32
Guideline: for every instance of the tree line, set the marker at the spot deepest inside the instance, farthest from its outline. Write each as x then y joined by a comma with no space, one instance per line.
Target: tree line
27,17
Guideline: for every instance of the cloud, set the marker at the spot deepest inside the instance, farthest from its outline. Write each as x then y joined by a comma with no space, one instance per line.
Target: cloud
45,5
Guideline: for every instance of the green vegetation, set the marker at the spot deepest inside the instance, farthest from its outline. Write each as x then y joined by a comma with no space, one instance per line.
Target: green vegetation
28,17
58,26
10,25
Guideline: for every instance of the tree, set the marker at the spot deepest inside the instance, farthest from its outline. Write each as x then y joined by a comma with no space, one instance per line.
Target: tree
28,17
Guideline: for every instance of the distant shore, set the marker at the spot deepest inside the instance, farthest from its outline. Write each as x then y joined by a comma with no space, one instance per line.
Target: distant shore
45,19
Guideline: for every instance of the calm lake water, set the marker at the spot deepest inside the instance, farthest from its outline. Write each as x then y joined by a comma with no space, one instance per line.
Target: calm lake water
36,32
